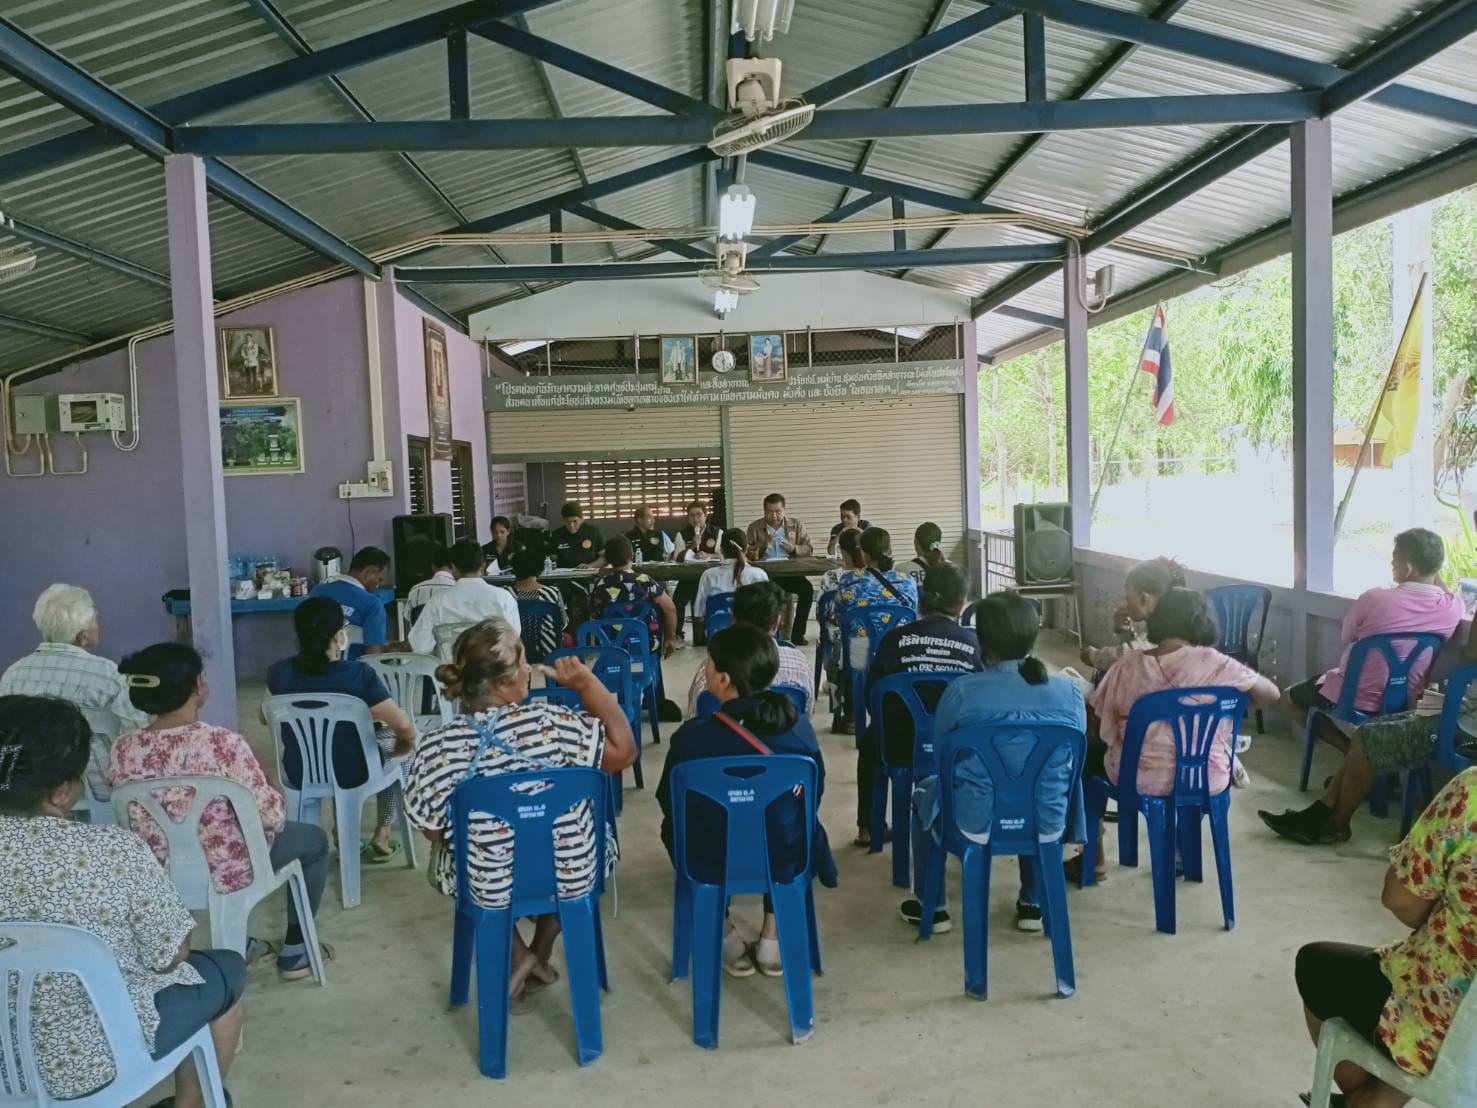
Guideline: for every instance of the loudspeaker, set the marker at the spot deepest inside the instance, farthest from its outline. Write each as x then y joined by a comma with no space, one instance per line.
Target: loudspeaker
416,539
1043,543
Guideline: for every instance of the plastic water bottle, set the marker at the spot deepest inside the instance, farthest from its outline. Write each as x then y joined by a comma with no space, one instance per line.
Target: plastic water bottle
639,557
548,565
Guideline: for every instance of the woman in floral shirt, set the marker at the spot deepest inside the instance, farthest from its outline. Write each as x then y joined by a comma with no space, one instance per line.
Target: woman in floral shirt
106,883
622,586
167,681
1403,996
876,582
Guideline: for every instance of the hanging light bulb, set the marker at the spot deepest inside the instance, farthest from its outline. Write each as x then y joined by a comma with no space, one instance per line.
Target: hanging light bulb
736,212
725,301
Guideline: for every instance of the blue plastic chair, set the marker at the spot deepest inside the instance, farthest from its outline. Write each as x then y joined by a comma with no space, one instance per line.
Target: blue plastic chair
613,666
1395,698
488,932
718,602
1013,832
707,703
1195,716
1417,786
823,609
533,615
1236,608
717,621
876,620
632,635
905,687
744,788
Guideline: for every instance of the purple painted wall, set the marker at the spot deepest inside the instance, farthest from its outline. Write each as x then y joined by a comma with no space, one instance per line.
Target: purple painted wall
468,420
118,530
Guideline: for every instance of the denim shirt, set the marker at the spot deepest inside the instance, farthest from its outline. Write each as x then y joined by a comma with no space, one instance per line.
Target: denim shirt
999,694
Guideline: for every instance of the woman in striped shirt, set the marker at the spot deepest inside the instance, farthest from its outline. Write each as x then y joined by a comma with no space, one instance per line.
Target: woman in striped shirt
489,677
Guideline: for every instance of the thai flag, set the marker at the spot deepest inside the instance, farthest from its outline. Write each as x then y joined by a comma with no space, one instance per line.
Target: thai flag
1156,364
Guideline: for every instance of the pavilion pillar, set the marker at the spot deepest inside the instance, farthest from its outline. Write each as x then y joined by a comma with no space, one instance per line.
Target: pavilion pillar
1312,373
970,458
1415,473
1079,454
197,390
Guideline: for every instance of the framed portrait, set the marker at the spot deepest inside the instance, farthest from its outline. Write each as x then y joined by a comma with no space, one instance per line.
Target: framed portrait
679,360
438,392
260,437
248,362
767,358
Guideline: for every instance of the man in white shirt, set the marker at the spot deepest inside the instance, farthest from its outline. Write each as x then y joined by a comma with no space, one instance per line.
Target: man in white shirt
469,600
64,666
443,578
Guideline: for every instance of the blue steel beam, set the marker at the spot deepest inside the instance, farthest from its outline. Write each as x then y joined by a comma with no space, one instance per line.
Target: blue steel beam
58,78
1034,38
1131,27
1424,36
649,130
458,77
841,214
22,229
935,21
905,57
593,69
44,330
271,79
899,235
868,259
556,227
615,223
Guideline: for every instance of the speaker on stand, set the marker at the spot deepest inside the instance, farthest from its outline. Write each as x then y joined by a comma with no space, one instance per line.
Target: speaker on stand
1043,544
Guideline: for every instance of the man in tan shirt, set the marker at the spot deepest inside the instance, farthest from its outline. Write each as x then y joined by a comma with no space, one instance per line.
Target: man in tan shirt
774,538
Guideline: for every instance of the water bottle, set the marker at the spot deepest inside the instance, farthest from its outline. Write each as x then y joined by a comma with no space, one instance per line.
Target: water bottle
548,565
639,556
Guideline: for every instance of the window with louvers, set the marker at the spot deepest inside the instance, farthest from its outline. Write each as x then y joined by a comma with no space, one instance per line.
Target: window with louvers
463,491
418,455
615,488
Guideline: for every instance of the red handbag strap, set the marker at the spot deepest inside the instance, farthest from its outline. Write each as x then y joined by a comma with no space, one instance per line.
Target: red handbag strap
742,732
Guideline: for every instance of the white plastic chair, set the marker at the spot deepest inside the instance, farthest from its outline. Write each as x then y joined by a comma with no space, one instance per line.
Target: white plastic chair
30,950
353,634
313,719
105,724
190,871
1452,1082
446,636
406,676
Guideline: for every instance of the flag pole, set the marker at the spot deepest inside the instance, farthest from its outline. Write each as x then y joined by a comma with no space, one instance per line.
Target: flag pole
1374,416
1122,411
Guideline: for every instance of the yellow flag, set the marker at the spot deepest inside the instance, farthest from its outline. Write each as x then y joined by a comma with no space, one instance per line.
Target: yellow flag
1399,403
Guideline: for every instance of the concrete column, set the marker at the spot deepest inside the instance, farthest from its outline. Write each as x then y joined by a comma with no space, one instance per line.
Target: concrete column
197,389
1312,370
970,456
1410,260
1079,458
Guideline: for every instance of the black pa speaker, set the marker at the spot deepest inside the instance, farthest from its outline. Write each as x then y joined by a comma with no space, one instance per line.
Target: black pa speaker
1043,543
416,539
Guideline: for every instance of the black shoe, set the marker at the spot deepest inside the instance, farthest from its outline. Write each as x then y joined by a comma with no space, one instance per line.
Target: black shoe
799,640
1028,918
912,912
1337,1100
1306,827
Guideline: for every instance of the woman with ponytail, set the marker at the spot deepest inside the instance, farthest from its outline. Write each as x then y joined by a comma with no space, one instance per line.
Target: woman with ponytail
729,575
321,665
1014,687
928,542
877,582
741,665
501,731
1182,654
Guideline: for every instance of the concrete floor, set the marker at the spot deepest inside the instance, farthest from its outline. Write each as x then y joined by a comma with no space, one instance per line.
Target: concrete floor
1205,1017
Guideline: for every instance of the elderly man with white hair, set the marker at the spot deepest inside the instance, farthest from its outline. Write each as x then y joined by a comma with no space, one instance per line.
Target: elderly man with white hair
63,666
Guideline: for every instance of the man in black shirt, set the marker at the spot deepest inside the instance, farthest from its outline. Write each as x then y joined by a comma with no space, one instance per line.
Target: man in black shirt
649,544
933,644
851,516
577,543
699,543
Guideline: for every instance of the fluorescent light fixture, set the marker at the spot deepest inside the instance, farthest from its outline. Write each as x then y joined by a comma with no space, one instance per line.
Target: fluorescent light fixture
736,212
725,301
760,19
513,349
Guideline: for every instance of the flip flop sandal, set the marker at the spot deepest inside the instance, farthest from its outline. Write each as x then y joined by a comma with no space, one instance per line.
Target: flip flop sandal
1072,868
371,854
544,974
257,949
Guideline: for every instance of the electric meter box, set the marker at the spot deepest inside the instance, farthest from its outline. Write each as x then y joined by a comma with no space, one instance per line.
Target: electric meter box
90,411
36,413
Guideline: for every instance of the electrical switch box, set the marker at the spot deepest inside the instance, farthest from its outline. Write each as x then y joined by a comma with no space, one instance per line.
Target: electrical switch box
35,413
91,411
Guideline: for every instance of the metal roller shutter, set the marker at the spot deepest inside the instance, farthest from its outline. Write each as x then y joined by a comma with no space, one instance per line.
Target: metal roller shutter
592,433
901,458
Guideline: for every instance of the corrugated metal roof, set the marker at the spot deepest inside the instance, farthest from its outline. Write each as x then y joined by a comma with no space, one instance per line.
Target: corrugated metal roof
152,50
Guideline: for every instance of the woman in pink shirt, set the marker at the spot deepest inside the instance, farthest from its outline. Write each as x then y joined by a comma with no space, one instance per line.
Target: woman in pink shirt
1183,655
167,682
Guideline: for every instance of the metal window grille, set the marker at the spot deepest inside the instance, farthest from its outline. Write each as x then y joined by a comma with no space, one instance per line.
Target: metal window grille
463,491
418,455
614,489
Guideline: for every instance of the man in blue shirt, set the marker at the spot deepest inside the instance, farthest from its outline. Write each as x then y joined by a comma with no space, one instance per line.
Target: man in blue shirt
355,592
